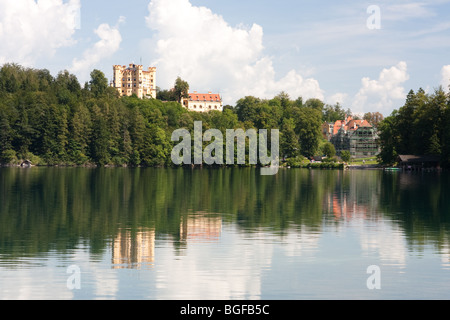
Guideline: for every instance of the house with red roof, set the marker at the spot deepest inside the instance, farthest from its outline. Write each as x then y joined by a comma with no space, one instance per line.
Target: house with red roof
203,102
357,136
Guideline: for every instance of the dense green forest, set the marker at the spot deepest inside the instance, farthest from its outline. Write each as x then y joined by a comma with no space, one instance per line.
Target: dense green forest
56,121
420,127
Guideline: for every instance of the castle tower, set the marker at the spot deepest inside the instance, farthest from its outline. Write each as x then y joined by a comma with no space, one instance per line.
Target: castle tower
134,80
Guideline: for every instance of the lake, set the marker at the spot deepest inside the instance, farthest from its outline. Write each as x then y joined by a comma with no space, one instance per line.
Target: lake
223,234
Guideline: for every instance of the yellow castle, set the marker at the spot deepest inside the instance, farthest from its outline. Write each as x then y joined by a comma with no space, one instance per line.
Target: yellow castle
135,80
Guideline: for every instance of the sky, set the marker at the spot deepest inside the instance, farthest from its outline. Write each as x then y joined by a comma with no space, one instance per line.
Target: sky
366,56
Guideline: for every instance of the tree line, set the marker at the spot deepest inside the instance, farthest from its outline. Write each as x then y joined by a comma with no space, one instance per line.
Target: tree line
57,121
54,120
420,127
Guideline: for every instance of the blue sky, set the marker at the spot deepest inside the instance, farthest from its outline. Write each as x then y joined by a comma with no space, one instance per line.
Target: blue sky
323,49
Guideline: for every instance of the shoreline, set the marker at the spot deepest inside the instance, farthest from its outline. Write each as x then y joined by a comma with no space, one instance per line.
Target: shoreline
340,166
365,167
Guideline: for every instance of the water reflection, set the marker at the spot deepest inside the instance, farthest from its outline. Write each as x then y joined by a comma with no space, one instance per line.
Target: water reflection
201,227
50,208
242,232
133,250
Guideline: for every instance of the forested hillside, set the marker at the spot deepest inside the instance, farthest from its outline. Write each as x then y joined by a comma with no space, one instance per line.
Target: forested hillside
54,120
420,127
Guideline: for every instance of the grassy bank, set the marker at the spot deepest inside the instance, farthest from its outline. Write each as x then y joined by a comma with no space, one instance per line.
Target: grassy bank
363,161
305,163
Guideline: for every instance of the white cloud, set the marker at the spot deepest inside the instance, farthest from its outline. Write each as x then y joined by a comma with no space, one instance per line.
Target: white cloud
32,29
438,28
203,49
445,73
406,11
339,97
109,43
382,94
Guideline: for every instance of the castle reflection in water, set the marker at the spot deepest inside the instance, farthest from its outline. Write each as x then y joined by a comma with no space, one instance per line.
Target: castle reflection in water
136,249
132,250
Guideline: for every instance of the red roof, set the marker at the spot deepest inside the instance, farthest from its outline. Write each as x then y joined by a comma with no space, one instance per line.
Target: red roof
337,126
349,124
355,124
204,97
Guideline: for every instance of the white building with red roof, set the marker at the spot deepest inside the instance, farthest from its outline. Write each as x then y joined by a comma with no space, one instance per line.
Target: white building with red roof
203,102
357,136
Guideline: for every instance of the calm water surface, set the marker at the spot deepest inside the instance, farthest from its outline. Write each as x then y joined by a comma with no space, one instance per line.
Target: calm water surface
76,233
